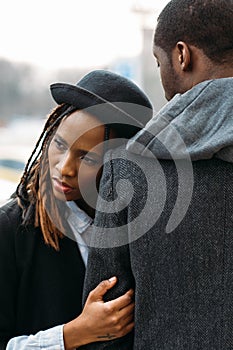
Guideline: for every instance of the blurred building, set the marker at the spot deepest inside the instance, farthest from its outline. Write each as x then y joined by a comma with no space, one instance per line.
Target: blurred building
143,69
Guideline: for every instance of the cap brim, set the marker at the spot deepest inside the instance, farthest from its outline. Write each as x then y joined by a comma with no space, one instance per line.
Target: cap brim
83,99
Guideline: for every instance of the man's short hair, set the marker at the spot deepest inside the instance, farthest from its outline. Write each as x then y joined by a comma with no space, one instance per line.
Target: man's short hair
206,24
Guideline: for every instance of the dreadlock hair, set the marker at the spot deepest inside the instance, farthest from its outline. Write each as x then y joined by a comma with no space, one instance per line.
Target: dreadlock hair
33,193
206,24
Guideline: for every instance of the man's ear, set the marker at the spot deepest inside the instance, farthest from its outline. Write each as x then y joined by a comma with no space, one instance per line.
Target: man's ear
183,55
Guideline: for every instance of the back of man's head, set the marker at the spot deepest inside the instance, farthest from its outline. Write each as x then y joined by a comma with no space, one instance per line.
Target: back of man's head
206,24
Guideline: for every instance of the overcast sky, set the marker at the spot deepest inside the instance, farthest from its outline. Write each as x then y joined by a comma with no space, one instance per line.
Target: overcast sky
71,33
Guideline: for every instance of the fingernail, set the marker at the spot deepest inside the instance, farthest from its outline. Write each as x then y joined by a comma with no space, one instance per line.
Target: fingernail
112,279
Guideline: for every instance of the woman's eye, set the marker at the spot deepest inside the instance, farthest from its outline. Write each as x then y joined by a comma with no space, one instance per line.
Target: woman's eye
88,160
59,145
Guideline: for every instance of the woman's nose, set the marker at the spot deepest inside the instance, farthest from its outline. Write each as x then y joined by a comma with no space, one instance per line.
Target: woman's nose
67,166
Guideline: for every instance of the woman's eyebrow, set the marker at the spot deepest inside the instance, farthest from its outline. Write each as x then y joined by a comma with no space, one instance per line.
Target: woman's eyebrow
61,139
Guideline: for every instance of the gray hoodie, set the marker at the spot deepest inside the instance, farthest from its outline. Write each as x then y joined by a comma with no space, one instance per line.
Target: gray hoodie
178,218
197,124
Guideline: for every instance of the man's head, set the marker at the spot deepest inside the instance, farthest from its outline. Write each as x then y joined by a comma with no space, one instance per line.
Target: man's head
193,42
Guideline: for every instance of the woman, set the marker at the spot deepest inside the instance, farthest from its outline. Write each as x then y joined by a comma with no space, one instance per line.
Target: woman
44,230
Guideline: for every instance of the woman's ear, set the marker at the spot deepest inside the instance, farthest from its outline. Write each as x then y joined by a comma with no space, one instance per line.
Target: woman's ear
183,55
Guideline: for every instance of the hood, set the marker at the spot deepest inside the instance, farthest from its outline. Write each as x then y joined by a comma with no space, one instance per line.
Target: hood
197,124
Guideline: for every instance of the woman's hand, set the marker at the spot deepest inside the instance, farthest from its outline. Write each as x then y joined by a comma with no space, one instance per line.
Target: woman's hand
100,321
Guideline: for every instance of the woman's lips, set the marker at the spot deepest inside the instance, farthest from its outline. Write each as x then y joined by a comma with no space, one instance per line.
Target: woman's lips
62,186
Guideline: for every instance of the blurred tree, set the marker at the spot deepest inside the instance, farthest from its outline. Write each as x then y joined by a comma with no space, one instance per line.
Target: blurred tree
19,94
9,87
23,94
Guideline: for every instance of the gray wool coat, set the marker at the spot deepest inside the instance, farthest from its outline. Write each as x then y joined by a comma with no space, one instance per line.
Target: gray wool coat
164,225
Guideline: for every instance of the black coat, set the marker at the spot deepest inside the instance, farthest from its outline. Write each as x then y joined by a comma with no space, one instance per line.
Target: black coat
40,287
183,279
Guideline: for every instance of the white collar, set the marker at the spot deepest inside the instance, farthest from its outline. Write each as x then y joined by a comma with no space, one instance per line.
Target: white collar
80,223
77,218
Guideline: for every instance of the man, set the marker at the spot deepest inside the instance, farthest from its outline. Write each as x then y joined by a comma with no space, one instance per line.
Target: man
176,213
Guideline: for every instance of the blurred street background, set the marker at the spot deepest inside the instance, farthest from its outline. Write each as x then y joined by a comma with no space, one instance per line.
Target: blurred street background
50,41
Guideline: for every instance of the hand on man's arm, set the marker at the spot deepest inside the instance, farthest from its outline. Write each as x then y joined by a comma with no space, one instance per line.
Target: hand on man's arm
112,260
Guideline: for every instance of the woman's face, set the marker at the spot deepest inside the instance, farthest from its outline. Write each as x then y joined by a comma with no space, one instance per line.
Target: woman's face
75,157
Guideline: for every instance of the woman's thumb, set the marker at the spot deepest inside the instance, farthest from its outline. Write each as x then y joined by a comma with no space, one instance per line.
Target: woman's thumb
98,293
